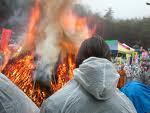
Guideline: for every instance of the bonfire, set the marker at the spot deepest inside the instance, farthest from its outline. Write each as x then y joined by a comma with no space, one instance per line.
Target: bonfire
51,42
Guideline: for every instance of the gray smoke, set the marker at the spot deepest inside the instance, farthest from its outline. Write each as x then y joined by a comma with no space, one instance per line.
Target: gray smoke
10,10
14,15
49,33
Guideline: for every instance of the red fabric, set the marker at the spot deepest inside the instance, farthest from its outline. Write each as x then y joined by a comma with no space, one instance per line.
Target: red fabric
6,34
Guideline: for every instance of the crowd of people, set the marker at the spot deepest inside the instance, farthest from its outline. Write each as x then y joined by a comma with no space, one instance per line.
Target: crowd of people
134,72
134,82
93,88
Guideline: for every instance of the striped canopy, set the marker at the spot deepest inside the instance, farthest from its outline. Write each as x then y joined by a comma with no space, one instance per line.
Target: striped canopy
117,47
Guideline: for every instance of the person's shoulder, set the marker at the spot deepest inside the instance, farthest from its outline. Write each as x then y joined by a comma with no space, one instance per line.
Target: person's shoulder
56,102
4,81
124,104
49,106
61,95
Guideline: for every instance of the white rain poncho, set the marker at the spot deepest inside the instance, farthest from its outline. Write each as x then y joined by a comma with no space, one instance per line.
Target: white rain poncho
13,100
93,90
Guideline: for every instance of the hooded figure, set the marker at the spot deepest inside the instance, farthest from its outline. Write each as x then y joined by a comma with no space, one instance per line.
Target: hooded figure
93,88
13,100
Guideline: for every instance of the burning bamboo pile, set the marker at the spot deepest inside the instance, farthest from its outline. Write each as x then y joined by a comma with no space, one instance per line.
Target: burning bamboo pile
20,72
63,72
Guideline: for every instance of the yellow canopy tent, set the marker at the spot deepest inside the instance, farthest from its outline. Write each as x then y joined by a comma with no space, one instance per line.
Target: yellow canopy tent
117,47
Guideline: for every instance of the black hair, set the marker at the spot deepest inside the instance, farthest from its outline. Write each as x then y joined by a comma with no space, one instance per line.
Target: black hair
93,47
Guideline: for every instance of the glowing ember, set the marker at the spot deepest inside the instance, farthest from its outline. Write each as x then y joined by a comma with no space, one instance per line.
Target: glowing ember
20,71
64,73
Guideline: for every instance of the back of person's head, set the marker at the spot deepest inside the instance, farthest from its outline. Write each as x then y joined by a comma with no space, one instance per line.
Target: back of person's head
93,47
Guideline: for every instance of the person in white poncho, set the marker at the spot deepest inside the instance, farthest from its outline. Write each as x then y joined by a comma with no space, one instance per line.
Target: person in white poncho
13,100
93,88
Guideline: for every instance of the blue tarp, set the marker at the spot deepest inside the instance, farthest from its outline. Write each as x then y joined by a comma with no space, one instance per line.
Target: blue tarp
139,94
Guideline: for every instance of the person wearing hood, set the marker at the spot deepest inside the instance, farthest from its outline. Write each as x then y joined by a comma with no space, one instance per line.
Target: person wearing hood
13,100
93,88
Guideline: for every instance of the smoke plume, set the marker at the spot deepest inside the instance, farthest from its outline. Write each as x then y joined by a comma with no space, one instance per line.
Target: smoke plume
49,34
14,15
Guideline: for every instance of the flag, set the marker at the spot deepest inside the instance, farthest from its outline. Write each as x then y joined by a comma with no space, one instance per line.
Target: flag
6,34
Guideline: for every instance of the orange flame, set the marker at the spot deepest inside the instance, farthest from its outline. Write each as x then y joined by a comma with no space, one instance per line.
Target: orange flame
64,72
82,27
77,25
29,42
20,71
69,48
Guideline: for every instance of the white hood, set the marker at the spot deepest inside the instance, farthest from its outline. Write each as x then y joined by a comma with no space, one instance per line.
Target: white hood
98,76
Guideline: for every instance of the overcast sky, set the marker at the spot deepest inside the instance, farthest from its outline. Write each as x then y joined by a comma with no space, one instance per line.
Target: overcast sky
121,8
